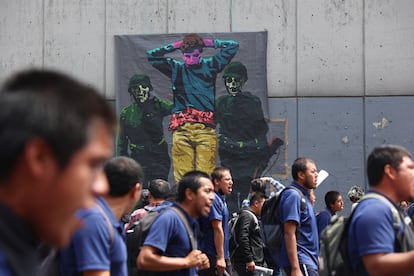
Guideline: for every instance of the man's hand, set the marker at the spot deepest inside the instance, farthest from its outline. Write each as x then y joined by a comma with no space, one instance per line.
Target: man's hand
177,44
196,258
250,266
220,266
208,42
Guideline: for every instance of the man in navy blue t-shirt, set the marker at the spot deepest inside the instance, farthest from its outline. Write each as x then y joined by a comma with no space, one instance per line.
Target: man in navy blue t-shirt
372,246
99,248
167,249
299,252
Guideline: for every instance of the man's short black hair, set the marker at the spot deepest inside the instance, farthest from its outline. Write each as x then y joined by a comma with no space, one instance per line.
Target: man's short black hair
51,106
122,173
159,188
384,155
300,165
190,180
331,197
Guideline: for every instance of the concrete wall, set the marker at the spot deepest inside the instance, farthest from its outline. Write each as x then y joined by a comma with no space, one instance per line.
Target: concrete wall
339,71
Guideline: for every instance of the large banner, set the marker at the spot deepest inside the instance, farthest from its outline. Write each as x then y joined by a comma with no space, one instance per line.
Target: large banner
197,101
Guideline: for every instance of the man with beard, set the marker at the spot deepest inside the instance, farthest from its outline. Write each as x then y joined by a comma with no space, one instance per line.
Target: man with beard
141,131
300,246
376,243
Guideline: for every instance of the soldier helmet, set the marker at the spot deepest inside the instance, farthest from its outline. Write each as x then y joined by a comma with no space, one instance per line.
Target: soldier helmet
137,80
236,70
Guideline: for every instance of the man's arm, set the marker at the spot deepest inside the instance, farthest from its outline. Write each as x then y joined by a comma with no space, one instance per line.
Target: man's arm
243,237
151,259
219,245
389,264
290,240
228,50
96,273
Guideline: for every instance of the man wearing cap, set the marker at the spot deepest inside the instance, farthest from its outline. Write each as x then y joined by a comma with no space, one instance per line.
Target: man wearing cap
243,145
141,131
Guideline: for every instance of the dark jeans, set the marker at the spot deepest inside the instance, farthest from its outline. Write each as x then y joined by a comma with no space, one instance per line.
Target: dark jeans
307,270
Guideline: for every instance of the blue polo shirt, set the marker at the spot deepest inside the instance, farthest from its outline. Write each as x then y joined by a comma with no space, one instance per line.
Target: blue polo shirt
92,247
307,242
371,231
218,211
169,235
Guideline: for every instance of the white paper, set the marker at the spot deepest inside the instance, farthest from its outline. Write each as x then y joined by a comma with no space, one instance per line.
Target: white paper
322,175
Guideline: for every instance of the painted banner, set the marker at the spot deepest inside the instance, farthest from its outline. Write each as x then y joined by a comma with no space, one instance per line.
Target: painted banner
197,101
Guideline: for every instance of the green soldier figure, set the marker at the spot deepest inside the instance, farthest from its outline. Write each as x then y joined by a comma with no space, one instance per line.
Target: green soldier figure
243,145
141,130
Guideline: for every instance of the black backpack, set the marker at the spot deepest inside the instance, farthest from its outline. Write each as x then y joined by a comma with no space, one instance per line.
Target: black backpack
271,227
137,232
333,254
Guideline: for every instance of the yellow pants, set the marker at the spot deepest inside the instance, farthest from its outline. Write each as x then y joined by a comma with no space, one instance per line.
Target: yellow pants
194,148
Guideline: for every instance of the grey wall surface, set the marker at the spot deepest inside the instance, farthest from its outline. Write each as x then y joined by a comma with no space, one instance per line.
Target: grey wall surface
339,71
339,133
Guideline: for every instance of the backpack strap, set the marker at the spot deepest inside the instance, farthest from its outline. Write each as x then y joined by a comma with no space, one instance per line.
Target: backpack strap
190,232
395,216
302,197
302,207
395,213
108,224
253,215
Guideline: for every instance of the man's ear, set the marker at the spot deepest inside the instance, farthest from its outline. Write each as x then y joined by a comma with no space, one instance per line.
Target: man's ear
135,192
389,171
189,194
38,157
301,175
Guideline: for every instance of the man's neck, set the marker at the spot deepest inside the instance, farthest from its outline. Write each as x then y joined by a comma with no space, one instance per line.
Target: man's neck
188,209
118,206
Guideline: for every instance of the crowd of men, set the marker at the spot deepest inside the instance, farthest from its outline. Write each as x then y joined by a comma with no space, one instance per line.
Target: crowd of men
62,192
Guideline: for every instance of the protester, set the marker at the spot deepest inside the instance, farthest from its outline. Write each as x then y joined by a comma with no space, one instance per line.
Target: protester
248,237
55,134
159,191
99,247
167,248
215,242
300,246
375,246
334,204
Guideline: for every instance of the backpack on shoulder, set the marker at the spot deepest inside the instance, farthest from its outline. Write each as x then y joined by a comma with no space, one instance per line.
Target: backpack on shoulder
137,232
135,237
271,227
233,244
333,254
